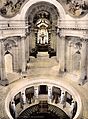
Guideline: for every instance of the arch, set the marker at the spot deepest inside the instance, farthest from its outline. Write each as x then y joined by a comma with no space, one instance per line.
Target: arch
42,8
8,62
11,40
31,2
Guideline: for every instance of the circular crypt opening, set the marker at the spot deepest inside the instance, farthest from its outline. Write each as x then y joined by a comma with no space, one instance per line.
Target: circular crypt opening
47,100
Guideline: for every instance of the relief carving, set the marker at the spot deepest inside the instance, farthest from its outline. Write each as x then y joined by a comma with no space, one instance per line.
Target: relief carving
77,7
9,8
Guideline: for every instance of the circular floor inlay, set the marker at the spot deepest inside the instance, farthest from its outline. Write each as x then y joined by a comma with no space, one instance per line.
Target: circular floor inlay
44,112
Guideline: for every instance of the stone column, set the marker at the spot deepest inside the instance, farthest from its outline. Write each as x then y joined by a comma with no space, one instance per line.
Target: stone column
19,55
63,55
3,80
87,61
23,55
23,95
63,98
49,93
23,99
15,58
13,109
36,92
69,56
83,67
73,109
27,48
58,47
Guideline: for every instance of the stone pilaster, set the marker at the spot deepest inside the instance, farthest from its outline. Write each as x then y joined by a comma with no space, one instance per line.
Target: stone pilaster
63,98
69,57
23,54
58,47
27,48
63,55
23,95
19,56
87,61
15,58
13,108
3,80
36,92
83,66
49,93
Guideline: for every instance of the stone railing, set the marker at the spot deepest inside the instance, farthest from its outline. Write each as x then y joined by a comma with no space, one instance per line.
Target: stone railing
20,104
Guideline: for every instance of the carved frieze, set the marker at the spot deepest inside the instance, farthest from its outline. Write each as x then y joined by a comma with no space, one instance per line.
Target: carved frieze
75,8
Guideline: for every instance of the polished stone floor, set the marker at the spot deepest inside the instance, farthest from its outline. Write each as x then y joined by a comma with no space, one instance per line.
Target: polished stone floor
42,113
43,66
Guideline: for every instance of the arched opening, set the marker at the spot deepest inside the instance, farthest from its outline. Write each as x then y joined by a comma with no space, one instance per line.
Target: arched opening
43,89
8,62
42,18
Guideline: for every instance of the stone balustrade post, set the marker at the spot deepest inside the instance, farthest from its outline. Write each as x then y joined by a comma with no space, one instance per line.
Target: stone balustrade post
63,98
36,92
23,100
49,93
13,109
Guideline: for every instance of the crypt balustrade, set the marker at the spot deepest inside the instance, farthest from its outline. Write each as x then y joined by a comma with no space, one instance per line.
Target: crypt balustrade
22,98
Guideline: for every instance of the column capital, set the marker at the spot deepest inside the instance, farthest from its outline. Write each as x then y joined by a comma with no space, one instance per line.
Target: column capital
84,40
2,40
23,37
63,37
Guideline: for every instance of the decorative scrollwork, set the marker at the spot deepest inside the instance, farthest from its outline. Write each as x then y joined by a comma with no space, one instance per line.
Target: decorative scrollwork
77,7
9,8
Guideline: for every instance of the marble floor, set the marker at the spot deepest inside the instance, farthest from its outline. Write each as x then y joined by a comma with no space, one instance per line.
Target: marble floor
43,66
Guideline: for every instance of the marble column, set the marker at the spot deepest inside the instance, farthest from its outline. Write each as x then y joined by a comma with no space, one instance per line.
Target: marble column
69,56
63,55
23,96
36,92
73,106
3,80
15,58
19,55
23,99
13,108
27,48
49,94
87,61
83,66
23,55
58,47
63,98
